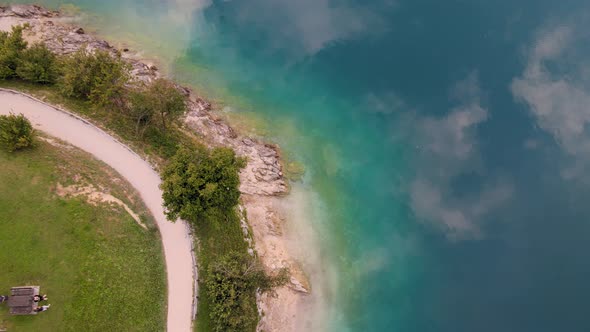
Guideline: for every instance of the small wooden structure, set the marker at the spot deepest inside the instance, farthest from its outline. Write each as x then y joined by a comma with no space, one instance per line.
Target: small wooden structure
21,301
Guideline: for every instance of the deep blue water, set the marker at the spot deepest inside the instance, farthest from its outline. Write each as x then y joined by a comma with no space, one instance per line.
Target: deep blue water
447,141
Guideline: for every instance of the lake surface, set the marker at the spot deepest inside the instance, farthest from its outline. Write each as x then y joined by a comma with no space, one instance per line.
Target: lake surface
446,143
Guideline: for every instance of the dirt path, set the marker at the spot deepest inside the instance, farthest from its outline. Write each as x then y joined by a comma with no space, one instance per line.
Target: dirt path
175,237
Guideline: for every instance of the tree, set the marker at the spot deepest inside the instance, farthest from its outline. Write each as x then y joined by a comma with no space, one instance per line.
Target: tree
96,76
198,182
160,99
232,282
140,109
11,46
167,101
16,132
37,64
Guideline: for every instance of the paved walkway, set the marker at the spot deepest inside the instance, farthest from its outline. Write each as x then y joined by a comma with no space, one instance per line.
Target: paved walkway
175,237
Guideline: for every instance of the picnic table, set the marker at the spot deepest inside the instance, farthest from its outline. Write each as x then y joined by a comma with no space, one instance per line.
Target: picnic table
21,301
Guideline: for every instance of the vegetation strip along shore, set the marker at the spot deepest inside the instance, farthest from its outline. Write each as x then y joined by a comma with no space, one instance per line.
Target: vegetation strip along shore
94,82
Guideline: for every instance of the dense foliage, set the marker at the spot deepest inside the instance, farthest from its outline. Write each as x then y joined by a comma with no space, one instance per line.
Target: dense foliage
96,76
161,100
140,111
16,132
232,282
38,64
100,82
11,46
166,100
199,182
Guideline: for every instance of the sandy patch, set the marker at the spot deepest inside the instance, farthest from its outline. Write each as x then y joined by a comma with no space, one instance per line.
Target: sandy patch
54,142
6,23
95,197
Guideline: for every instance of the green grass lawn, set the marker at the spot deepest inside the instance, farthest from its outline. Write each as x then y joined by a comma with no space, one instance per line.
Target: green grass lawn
101,271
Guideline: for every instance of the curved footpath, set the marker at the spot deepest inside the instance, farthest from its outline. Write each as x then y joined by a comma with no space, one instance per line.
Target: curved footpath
175,236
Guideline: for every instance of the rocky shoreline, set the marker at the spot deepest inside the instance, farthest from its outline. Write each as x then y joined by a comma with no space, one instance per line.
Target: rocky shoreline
262,180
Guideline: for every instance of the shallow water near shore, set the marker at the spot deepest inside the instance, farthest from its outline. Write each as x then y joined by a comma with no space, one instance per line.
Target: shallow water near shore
443,192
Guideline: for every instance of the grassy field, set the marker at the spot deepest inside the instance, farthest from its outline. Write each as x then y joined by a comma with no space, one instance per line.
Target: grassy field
101,271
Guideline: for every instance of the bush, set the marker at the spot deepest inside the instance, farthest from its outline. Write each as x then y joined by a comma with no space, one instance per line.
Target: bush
11,46
37,64
16,132
160,99
232,282
95,76
141,111
198,181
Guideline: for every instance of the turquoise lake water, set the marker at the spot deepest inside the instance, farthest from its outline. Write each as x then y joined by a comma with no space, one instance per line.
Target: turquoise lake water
446,143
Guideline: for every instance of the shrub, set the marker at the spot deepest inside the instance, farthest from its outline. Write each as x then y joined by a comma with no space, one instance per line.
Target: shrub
197,181
16,132
11,46
37,64
95,76
232,282
160,100
140,110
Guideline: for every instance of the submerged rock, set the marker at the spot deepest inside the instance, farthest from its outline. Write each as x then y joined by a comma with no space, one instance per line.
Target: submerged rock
298,286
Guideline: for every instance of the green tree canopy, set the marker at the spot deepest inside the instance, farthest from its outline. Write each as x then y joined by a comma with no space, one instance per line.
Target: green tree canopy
37,64
96,76
11,46
198,181
166,100
140,109
16,132
159,102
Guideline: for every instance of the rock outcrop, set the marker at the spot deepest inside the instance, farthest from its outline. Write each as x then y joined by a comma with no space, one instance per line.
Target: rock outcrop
263,174
27,11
